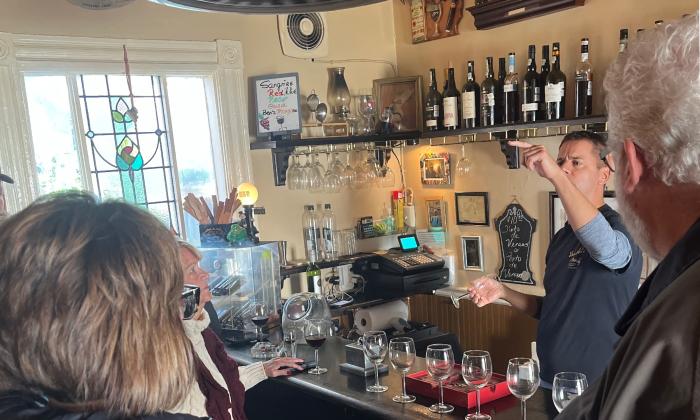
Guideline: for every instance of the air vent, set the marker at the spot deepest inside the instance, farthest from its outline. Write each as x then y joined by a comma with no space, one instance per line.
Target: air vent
274,7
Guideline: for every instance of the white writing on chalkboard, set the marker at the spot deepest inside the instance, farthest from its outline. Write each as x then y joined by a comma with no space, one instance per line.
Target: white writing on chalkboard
515,229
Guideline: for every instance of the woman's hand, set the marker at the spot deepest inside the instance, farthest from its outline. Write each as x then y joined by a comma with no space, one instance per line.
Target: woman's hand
282,366
485,290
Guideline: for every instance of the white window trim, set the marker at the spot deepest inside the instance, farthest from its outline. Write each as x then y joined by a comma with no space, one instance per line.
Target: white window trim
220,60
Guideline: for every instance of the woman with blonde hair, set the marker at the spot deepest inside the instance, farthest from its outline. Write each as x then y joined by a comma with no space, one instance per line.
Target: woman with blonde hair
91,325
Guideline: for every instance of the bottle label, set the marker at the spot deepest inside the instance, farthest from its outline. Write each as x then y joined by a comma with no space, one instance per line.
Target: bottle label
589,90
488,99
468,105
553,92
584,56
509,87
450,107
530,107
537,95
431,123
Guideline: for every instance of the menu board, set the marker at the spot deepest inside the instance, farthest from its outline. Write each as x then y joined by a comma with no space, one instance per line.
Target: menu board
515,229
277,104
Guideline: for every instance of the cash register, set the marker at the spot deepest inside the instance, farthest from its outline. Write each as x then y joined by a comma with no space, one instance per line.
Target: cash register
402,271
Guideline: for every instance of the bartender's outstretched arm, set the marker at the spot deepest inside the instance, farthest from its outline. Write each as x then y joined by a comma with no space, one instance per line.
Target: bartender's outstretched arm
487,289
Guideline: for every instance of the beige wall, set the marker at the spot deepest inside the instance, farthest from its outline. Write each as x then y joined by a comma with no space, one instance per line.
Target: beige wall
599,20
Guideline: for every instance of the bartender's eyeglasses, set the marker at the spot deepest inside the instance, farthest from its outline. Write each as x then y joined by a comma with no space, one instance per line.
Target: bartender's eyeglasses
189,301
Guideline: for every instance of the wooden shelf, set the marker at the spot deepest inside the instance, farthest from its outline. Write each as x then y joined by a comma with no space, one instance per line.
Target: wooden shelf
505,128
501,12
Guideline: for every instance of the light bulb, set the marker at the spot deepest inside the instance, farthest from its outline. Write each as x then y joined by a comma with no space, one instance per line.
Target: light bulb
247,193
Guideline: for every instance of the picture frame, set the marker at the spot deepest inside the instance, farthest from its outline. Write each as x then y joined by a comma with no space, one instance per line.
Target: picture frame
472,208
403,95
436,211
277,104
472,253
557,215
435,168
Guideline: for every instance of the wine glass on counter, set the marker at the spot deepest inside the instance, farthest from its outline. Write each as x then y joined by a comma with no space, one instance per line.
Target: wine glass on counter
566,387
440,360
375,347
523,377
476,372
260,316
315,333
402,354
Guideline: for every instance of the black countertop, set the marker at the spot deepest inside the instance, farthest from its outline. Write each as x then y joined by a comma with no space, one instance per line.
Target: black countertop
349,390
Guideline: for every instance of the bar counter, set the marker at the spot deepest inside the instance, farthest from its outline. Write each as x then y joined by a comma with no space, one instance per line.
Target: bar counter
337,394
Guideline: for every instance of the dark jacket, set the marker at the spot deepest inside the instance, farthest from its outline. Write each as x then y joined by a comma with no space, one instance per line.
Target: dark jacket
27,406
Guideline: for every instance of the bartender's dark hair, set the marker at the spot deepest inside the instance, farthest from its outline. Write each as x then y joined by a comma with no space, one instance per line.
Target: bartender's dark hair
600,143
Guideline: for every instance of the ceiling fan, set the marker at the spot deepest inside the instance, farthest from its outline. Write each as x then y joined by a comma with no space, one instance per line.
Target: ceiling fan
274,7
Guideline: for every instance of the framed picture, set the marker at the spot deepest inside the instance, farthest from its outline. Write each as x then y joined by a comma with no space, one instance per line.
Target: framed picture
277,106
472,208
437,215
403,97
472,253
435,168
557,215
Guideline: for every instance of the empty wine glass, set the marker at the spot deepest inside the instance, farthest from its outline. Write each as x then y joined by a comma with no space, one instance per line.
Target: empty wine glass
348,174
294,174
566,387
316,174
331,180
366,108
476,372
464,165
523,377
305,178
387,179
440,360
315,333
375,347
260,317
402,354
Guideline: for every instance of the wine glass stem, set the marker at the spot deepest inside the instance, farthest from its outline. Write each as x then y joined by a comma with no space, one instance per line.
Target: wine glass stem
376,374
294,349
403,383
478,402
442,401
316,354
258,333
522,409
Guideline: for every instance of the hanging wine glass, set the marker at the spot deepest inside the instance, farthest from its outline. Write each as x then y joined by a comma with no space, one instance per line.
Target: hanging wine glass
316,174
464,166
305,179
387,179
294,173
348,174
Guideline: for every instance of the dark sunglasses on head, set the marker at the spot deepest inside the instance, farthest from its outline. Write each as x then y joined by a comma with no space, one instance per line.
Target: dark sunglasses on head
189,301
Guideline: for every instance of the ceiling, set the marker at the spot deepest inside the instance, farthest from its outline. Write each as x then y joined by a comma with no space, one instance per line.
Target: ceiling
266,6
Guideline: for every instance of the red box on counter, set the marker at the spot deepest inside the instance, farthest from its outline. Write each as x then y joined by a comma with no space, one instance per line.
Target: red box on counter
456,392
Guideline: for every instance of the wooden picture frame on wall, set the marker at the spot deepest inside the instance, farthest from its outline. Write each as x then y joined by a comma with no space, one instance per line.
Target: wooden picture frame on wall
472,208
403,96
436,214
435,169
472,253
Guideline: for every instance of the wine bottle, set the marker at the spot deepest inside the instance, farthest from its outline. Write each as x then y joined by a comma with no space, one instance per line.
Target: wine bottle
584,83
530,91
511,92
433,105
544,71
488,96
555,89
624,37
450,103
470,99
499,89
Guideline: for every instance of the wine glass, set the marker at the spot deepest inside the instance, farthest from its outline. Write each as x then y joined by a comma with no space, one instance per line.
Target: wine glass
305,178
315,333
402,354
316,173
290,337
260,317
294,173
464,165
440,360
375,347
523,378
331,180
566,387
366,108
476,371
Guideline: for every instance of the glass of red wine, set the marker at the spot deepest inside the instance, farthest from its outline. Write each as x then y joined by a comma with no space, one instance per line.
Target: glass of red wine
315,333
260,316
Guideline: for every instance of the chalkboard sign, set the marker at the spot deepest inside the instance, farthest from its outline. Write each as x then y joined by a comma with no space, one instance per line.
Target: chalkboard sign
277,106
515,229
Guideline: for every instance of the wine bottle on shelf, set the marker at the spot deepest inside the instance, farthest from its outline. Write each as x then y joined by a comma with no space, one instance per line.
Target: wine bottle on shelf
584,83
447,79
544,71
470,99
555,89
530,90
499,89
624,37
433,105
488,96
511,92
450,103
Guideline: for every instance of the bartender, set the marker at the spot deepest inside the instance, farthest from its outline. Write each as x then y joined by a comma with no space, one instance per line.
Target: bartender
592,265
3,206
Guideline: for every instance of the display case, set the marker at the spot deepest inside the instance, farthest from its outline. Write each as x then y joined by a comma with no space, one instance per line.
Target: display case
245,284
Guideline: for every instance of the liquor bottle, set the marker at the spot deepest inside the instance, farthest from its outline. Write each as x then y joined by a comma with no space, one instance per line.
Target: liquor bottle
555,89
530,91
544,71
624,37
433,105
488,96
328,229
584,83
499,89
511,92
450,103
309,222
471,100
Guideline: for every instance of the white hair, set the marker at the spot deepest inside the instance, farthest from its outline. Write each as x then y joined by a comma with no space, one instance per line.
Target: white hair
653,98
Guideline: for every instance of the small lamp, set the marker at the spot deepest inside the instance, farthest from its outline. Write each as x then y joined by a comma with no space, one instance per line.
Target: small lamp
248,195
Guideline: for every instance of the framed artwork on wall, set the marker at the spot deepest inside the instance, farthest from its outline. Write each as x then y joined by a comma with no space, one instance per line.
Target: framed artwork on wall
437,214
403,97
472,208
557,215
472,253
435,168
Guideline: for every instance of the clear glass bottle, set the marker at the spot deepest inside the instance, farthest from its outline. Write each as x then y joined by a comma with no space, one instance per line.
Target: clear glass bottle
328,230
309,222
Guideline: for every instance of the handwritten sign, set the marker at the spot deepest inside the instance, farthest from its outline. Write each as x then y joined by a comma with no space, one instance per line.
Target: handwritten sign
277,104
515,229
